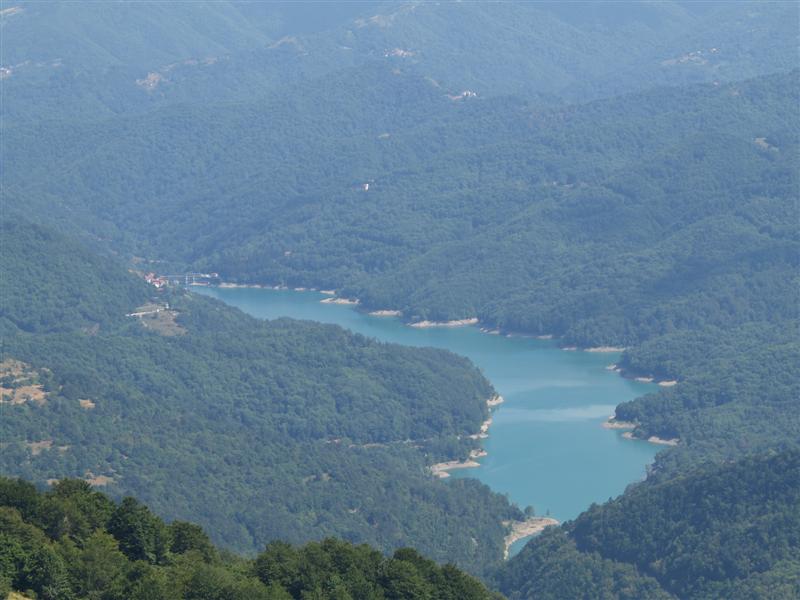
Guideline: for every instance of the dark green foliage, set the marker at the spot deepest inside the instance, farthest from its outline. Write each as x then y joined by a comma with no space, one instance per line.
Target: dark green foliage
46,574
141,535
257,430
716,532
552,568
39,263
278,564
728,410
113,561
188,537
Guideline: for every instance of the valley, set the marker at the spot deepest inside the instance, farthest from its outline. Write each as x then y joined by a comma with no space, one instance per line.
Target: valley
546,446
556,341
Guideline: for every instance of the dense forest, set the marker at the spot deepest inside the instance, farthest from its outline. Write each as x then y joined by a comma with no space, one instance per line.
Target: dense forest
74,543
592,231
256,430
656,221
635,187
726,411
728,532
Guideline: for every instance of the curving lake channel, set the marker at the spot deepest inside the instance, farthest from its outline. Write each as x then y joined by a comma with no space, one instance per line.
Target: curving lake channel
546,446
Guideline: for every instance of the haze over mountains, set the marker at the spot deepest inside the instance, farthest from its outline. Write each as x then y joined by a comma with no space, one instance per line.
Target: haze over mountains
235,50
612,174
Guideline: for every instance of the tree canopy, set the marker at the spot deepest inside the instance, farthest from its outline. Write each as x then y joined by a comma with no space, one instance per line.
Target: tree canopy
74,543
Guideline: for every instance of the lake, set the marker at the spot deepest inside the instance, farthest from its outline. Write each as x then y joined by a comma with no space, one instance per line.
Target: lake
546,447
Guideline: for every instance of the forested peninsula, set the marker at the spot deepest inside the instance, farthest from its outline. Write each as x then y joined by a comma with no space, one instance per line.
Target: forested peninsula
256,430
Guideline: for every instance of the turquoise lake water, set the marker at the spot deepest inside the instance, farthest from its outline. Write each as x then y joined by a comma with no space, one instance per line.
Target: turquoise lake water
546,445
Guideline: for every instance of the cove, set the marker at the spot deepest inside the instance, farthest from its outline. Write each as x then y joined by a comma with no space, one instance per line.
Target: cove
546,446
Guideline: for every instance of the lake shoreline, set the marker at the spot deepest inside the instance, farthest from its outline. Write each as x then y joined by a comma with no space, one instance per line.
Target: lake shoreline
653,439
630,426
442,469
465,322
524,529
483,328
509,368
454,323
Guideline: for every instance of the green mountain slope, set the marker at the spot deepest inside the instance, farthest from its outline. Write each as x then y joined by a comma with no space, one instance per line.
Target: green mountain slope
649,221
257,430
728,532
75,543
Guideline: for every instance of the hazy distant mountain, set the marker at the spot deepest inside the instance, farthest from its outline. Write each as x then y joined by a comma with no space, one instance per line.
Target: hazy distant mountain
134,55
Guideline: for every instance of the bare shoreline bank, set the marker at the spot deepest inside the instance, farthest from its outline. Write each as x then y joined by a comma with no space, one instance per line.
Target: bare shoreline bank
523,529
605,349
258,286
653,439
453,323
613,423
441,470
386,313
338,300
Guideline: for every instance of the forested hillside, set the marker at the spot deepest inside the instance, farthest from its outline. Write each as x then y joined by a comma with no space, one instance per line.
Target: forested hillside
593,211
655,221
729,532
257,430
72,542
744,401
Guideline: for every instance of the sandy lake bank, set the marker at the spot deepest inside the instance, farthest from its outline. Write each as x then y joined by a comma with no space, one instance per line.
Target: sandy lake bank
523,529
